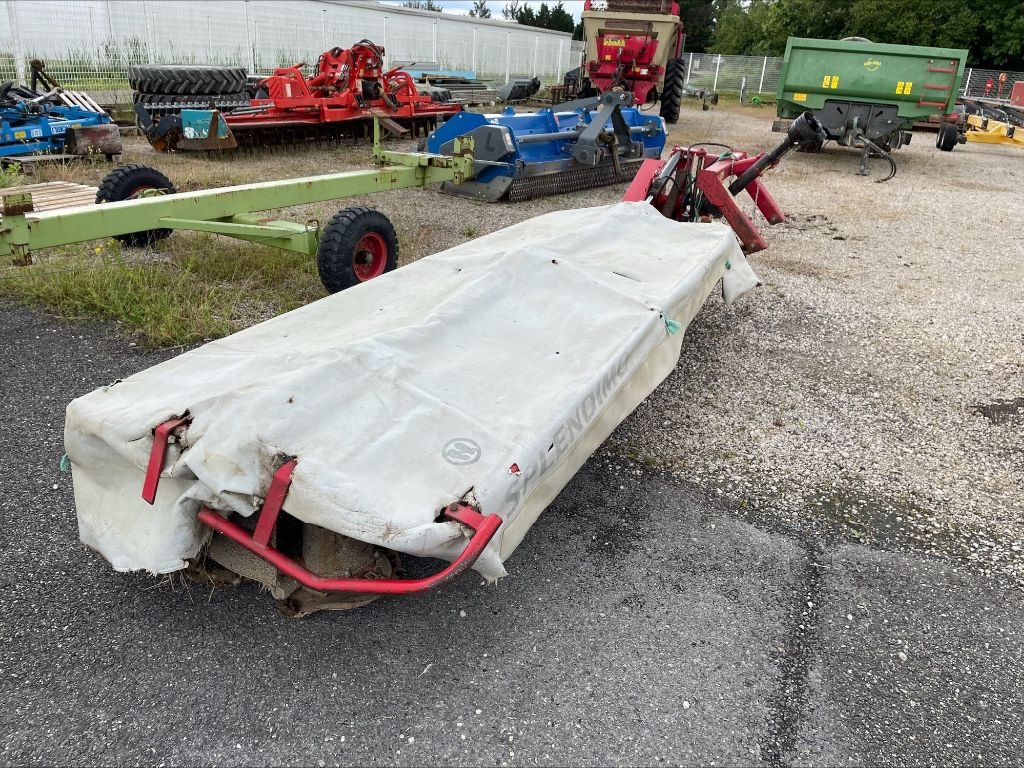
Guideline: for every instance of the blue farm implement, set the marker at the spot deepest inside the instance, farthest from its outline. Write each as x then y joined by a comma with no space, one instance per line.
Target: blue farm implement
54,122
573,146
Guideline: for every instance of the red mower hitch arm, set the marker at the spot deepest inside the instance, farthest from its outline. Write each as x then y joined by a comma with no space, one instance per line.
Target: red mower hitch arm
258,542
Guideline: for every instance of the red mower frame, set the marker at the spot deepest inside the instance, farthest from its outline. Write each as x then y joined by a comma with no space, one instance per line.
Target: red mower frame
483,528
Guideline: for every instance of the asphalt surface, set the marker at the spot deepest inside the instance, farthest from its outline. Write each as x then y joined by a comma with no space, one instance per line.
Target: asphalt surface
643,623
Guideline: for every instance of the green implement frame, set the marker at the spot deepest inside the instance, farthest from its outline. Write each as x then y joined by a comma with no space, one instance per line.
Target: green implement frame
226,210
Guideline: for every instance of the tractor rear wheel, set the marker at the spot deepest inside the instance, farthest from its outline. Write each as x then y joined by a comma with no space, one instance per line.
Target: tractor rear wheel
947,138
358,244
672,91
130,182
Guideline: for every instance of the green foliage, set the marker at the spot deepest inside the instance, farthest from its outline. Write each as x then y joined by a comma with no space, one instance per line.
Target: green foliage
554,17
480,9
698,23
423,5
206,287
992,30
10,176
945,23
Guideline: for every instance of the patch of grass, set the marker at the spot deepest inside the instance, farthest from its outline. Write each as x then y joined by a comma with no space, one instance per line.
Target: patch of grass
10,176
201,287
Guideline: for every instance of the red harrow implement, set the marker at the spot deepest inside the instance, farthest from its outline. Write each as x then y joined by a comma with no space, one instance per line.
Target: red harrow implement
340,100
691,185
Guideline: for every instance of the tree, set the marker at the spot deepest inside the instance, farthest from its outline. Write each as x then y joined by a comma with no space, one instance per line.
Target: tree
744,29
422,5
561,19
1000,41
545,17
698,23
944,23
480,9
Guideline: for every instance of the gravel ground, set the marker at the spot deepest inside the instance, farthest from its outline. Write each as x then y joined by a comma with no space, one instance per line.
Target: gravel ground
803,549
873,386
644,623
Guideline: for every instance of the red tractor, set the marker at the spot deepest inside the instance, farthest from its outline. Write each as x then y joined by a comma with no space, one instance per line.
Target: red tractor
636,45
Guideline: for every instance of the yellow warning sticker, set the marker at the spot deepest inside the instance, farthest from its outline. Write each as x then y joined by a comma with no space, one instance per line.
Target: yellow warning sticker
899,88
906,88
799,97
835,81
19,134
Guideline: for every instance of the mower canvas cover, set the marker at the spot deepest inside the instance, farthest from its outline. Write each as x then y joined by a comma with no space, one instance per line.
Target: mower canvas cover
486,373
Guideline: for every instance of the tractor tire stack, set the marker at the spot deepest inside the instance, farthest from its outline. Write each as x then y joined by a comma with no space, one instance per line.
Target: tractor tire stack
166,90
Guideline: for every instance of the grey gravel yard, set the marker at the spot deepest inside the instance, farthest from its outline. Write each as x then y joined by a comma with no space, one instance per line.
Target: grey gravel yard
805,548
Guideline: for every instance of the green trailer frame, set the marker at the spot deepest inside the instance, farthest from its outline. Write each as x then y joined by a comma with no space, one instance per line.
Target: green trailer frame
918,80
226,211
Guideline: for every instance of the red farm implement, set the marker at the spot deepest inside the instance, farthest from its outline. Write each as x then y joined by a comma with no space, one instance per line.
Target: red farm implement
635,45
348,89
694,184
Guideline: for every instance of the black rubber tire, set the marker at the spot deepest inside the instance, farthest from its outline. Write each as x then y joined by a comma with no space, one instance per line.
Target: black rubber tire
672,91
947,137
192,80
336,256
126,182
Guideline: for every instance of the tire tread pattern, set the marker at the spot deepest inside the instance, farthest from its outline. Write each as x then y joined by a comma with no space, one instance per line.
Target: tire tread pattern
121,183
189,80
339,239
672,93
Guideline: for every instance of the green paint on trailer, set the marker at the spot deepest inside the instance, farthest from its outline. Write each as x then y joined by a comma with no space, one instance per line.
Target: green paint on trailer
919,80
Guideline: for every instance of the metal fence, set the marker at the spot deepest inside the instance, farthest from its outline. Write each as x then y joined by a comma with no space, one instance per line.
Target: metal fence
984,83
755,74
89,44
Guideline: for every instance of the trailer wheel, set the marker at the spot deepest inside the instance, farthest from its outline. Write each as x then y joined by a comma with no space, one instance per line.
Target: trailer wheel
358,244
128,183
672,92
947,138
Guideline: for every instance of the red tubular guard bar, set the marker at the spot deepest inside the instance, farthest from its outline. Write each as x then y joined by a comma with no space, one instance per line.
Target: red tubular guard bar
257,542
156,457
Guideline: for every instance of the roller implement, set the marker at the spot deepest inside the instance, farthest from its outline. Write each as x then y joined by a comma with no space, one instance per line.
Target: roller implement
348,89
569,147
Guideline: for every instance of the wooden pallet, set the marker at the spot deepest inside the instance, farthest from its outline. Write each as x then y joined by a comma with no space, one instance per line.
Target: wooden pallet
53,194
